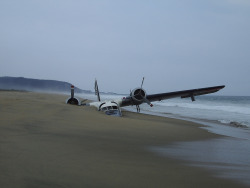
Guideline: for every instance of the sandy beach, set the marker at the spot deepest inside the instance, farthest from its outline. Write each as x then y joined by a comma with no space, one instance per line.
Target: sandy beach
47,143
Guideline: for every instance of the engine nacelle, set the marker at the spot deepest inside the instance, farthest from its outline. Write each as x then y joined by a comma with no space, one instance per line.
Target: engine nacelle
138,95
73,101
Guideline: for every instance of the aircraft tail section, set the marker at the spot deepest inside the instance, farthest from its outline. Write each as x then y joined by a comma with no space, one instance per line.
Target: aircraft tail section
97,91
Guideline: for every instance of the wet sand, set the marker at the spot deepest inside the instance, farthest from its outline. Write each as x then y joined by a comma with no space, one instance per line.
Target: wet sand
47,143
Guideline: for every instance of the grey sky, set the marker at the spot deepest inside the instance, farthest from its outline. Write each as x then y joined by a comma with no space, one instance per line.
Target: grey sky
175,44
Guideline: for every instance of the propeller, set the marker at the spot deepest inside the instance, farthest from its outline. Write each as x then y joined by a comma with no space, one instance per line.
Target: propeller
139,94
72,99
144,97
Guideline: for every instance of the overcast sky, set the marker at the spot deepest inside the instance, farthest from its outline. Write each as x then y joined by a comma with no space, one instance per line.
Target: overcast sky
175,44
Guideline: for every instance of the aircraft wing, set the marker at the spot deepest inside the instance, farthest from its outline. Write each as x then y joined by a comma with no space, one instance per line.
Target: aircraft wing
184,94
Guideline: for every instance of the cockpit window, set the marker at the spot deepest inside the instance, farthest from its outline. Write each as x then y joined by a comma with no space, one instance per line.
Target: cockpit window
103,109
109,108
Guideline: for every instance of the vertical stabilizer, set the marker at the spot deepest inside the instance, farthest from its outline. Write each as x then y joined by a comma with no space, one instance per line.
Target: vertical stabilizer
97,91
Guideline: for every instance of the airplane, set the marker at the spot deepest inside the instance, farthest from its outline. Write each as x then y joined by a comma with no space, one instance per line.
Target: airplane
137,97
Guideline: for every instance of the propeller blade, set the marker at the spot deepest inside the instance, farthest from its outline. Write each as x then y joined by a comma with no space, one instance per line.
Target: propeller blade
141,86
142,82
97,91
148,102
72,91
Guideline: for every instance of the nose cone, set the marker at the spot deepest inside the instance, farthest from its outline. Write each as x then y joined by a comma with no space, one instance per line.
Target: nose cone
73,101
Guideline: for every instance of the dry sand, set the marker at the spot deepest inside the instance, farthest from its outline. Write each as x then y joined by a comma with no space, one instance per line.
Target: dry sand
47,143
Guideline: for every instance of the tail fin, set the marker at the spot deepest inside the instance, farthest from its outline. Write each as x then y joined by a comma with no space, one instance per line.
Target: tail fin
97,91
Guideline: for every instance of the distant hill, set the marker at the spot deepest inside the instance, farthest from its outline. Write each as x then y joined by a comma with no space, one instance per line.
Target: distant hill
28,84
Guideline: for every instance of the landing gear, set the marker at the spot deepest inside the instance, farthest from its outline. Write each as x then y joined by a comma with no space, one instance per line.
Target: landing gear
138,108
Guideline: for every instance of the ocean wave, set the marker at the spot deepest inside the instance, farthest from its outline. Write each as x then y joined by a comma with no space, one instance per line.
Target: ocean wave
235,123
226,108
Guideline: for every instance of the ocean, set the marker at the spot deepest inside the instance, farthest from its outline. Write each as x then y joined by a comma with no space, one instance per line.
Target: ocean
232,111
227,110
227,157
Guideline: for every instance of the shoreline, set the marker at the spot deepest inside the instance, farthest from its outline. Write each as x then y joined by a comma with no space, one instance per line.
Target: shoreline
47,143
213,126
205,122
